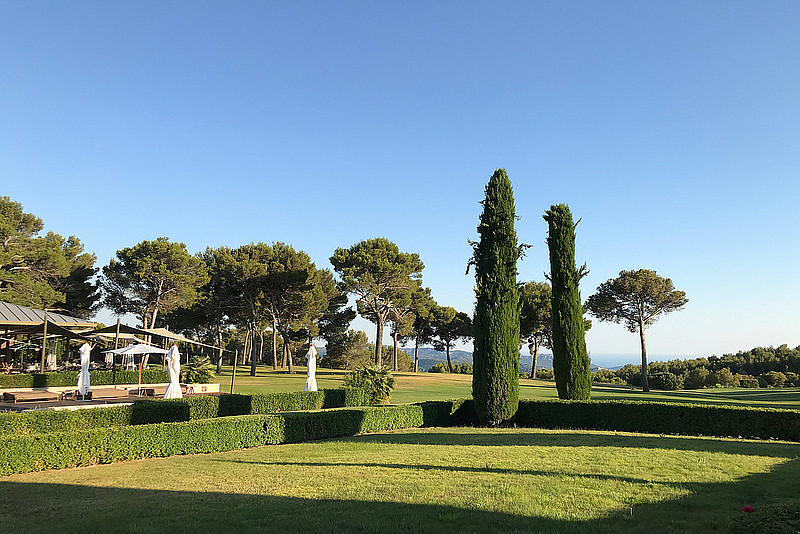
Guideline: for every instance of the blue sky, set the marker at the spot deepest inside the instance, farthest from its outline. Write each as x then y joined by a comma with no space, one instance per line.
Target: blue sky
671,129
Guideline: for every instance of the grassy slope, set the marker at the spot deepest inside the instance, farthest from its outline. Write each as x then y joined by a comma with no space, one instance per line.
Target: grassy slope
411,387
433,480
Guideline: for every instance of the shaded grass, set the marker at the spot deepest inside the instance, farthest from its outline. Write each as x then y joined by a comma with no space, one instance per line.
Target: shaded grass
448,480
418,387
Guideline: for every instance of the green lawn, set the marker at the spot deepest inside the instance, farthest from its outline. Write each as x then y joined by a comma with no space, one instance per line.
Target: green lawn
416,387
421,480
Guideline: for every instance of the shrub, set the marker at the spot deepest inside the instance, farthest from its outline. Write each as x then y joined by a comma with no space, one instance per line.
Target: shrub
774,378
57,450
440,368
724,377
747,381
466,369
696,379
544,374
605,376
147,411
792,379
199,370
524,375
70,378
376,380
665,381
633,416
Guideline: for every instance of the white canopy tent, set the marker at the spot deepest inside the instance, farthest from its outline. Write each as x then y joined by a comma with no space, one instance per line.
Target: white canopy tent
141,348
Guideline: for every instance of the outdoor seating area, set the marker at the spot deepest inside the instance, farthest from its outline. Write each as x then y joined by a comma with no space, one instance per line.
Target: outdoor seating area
22,399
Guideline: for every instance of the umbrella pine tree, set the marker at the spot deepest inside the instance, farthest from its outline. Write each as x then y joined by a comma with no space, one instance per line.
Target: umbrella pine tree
570,360
495,379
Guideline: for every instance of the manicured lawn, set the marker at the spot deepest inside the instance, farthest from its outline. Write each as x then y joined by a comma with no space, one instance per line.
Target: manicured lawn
420,480
416,387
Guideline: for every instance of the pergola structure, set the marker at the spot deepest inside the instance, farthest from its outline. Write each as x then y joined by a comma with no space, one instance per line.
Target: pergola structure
23,320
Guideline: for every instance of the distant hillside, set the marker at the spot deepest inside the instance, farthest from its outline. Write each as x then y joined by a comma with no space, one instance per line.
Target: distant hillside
429,357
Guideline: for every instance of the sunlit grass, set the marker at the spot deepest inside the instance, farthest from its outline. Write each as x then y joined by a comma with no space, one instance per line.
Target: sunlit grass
449,480
417,387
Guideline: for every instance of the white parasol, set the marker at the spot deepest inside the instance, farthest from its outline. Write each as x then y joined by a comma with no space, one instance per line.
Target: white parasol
174,370
83,377
141,348
311,356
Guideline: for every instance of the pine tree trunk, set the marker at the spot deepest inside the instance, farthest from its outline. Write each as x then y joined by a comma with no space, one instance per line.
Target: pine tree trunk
447,352
379,342
253,359
535,358
416,354
274,344
288,352
645,383
219,344
394,363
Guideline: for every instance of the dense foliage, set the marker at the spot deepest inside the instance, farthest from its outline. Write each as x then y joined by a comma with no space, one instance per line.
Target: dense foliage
381,277
570,359
758,367
43,271
495,380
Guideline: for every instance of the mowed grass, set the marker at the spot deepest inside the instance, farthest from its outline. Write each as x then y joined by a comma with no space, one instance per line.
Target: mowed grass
417,387
420,480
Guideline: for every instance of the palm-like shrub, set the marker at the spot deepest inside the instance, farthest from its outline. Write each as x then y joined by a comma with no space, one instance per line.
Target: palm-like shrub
376,380
199,370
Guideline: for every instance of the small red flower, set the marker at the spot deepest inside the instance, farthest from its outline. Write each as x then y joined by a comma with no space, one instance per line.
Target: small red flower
747,509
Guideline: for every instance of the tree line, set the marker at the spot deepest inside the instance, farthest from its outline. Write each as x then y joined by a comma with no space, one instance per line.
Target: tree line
266,302
758,367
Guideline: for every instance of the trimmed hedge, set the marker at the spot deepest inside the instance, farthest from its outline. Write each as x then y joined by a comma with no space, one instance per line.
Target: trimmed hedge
633,416
188,408
70,378
58,450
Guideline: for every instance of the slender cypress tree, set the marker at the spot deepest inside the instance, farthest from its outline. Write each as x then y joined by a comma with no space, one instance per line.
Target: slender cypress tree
495,378
570,360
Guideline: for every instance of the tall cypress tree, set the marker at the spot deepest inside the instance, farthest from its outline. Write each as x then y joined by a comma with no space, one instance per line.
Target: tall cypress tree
495,378
570,360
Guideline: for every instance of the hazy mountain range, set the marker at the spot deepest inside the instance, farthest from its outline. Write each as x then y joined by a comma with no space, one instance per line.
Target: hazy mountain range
429,357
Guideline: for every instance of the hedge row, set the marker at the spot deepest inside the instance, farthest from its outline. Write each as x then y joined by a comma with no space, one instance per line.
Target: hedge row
185,409
70,378
58,450
633,416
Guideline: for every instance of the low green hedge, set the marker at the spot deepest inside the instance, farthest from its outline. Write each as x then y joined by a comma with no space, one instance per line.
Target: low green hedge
58,450
188,408
70,378
633,416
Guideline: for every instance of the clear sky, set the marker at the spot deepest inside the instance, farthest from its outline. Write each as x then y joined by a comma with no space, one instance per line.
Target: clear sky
672,129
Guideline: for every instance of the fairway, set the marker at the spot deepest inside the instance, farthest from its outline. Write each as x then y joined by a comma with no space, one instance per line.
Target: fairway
418,387
443,480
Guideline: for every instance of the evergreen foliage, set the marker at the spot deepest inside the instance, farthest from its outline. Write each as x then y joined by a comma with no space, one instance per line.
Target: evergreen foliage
570,360
495,380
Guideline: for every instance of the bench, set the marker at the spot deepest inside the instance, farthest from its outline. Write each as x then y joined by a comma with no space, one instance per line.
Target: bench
30,396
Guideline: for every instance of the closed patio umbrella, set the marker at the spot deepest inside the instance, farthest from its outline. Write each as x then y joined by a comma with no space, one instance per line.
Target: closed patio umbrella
311,356
83,377
174,371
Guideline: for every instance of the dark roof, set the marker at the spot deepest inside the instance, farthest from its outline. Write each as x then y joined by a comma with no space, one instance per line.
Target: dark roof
52,329
13,316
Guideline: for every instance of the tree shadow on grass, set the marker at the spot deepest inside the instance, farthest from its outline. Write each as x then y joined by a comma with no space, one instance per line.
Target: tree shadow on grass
468,469
556,438
45,507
